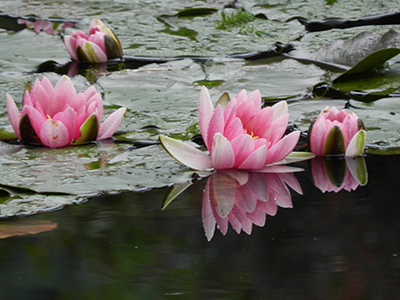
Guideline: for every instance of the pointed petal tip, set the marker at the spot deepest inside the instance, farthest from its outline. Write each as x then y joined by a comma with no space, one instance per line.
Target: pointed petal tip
357,144
186,154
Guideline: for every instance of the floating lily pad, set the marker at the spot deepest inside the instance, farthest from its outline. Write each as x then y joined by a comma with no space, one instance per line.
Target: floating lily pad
369,63
380,83
364,52
41,179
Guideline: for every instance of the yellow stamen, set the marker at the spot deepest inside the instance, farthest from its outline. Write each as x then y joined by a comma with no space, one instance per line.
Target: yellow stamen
252,134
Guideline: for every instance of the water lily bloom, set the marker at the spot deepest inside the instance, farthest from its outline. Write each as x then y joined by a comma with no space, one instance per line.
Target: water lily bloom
238,134
334,175
337,132
56,117
243,199
99,46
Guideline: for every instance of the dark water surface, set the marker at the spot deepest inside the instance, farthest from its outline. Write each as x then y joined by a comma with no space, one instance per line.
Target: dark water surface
328,246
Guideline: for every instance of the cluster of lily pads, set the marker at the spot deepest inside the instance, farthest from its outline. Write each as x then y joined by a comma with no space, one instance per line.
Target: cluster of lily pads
242,138
238,133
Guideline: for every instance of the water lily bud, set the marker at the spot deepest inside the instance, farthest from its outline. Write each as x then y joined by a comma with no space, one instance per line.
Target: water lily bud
99,46
337,132
56,117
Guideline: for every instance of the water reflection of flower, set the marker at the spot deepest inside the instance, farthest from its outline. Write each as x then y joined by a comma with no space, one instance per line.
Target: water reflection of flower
336,174
243,199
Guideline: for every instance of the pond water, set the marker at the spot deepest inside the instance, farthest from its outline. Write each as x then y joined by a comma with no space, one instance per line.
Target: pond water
328,246
120,219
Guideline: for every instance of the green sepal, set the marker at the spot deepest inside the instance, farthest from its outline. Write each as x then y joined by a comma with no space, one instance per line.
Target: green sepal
92,56
82,56
357,144
223,100
334,143
26,131
336,170
89,130
6,136
113,47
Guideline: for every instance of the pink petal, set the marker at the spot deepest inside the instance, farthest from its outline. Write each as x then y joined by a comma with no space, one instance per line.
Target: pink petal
70,45
282,148
318,136
13,114
94,52
27,99
280,109
279,126
42,100
98,39
230,111
186,154
110,125
35,117
206,109
250,107
243,146
216,125
64,93
233,129
256,160
222,155
54,134
70,120
260,123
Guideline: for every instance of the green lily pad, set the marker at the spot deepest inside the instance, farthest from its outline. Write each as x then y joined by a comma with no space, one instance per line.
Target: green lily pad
6,135
42,179
369,63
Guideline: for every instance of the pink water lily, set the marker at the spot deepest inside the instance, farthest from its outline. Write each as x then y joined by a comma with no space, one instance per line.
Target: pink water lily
334,175
238,134
243,199
56,117
337,133
99,46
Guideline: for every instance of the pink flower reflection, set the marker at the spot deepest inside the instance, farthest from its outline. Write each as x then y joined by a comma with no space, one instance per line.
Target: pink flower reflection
334,175
243,199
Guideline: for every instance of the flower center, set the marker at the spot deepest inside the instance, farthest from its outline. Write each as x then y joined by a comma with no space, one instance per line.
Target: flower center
251,134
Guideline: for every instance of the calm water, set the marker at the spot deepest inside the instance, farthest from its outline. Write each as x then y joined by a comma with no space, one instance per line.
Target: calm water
328,246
